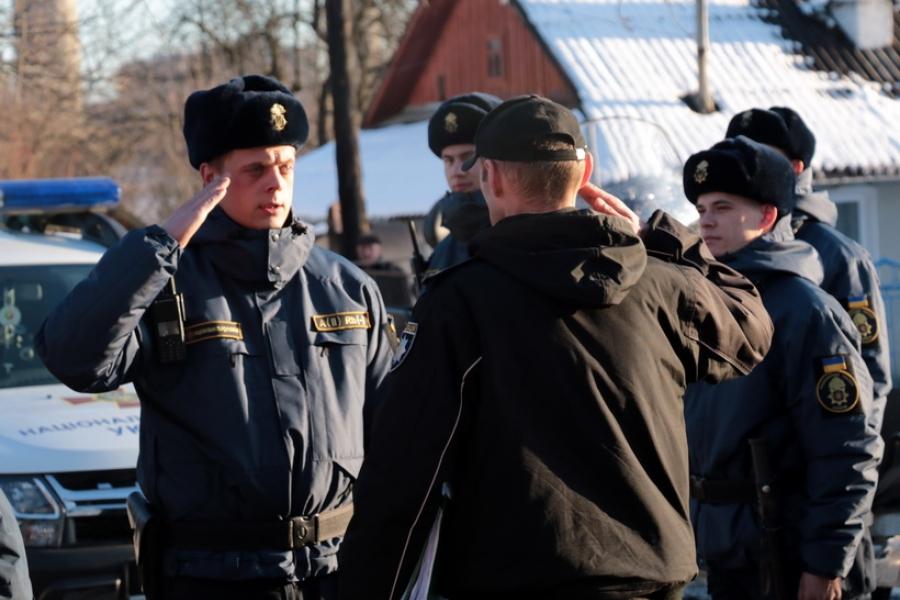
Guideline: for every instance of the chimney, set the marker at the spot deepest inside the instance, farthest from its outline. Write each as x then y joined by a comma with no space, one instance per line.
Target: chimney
49,52
868,23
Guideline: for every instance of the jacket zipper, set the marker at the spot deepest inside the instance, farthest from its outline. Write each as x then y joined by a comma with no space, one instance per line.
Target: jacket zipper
462,386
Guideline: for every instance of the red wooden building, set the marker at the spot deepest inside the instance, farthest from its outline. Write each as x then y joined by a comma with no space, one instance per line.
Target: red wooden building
456,46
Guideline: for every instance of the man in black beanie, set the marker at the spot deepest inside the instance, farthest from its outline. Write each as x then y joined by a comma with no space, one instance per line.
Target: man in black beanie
253,352
543,443
461,211
796,430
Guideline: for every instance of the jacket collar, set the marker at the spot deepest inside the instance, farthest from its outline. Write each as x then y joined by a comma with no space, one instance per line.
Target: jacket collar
777,252
263,257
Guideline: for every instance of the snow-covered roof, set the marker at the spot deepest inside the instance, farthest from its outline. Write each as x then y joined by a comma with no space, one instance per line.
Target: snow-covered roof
632,60
400,175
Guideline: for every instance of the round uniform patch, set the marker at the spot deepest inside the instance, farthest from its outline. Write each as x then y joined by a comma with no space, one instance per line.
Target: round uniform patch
837,392
866,322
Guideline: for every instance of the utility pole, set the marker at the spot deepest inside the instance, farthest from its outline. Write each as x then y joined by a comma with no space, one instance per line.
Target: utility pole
346,142
704,98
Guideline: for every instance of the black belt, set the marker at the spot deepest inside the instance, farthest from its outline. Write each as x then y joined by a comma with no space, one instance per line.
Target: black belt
252,536
723,491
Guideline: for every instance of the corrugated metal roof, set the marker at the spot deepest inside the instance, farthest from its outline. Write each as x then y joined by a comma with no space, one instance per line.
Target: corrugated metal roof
632,60
816,34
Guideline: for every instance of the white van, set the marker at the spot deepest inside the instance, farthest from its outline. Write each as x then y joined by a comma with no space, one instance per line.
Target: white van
67,459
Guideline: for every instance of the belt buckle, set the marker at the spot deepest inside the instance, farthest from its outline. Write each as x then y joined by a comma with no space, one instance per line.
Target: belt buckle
698,489
304,531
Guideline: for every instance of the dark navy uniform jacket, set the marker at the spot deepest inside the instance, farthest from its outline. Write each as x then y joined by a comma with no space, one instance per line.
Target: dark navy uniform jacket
851,278
14,582
264,420
825,459
465,214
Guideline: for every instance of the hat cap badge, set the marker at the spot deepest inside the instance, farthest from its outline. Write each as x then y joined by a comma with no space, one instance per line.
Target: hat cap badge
277,118
701,172
746,118
451,122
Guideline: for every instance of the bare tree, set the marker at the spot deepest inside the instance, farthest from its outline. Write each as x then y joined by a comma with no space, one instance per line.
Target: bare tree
353,209
121,114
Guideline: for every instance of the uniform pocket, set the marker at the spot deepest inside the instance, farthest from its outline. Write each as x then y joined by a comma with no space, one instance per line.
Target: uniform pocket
337,378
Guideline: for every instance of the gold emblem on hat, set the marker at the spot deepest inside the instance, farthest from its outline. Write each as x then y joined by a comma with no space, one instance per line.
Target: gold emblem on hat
277,118
451,122
746,117
701,172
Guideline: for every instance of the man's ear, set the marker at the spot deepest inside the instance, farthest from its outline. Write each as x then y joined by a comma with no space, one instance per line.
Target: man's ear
207,173
769,217
588,170
493,177
798,166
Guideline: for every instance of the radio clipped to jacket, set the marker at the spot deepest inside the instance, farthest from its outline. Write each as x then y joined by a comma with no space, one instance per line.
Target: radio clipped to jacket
167,323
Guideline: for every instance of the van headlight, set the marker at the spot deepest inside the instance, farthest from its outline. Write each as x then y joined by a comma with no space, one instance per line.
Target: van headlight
37,512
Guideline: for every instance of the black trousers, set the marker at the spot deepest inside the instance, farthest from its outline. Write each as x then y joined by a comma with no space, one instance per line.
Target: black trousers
189,588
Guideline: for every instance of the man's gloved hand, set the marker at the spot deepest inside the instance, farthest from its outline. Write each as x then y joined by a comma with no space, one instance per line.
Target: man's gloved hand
188,217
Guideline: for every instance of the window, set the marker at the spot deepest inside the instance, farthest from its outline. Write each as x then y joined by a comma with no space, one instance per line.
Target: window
858,215
27,294
495,57
848,219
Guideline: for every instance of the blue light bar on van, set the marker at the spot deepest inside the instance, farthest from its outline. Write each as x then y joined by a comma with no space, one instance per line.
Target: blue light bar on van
57,195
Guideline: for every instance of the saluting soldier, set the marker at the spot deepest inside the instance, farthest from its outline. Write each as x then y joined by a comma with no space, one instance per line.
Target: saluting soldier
252,433
805,410
461,211
553,419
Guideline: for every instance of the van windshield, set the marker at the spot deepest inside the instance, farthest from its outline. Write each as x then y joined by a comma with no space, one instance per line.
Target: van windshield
27,295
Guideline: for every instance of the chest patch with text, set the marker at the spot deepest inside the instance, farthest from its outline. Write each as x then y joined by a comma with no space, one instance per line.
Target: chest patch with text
341,321
212,330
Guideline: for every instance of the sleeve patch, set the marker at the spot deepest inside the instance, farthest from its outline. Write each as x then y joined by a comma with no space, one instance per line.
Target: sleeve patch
406,343
836,389
390,331
860,310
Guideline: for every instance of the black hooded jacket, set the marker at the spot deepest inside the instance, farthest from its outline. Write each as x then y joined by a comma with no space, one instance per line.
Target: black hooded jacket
543,380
